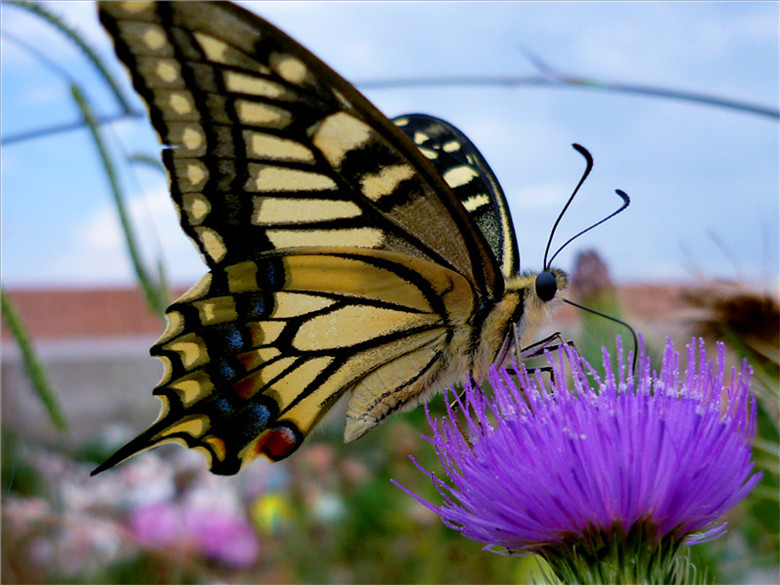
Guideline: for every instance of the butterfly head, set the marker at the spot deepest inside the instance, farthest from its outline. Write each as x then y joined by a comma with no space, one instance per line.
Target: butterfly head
546,285
535,297
546,290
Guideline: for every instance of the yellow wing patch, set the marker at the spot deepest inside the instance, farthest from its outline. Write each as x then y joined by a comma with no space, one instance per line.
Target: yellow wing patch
386,322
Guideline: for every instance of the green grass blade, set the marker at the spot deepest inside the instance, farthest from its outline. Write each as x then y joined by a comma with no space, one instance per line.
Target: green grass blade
156,295
32,364
76,37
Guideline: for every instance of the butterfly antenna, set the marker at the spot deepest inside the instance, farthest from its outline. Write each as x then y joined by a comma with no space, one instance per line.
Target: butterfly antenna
616,320
622,194
588,166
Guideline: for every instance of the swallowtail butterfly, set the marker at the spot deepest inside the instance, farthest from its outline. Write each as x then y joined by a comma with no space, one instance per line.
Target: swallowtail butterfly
347,253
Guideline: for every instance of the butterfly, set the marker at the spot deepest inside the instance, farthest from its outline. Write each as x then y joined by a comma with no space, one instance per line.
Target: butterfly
347,253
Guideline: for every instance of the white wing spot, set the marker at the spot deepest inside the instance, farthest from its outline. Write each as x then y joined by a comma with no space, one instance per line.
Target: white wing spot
243,83
261,145
154,38
276,210
428,153
350,238
197,174
214,49
457,176
420,137
339,134
196,206
192,138
266,178
378,185
451,146
212,242
289,68
167,70
262,114
476,201
180,102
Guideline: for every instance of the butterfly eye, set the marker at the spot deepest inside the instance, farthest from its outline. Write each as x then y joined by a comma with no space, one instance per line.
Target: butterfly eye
546,285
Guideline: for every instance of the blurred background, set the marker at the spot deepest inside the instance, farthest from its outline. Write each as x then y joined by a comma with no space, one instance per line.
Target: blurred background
695,253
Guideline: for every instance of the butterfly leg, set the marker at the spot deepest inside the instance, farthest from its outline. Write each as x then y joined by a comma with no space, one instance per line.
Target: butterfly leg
544,345
538,348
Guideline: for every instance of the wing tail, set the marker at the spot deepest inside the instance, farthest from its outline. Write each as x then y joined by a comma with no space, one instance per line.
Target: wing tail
229,442
141,443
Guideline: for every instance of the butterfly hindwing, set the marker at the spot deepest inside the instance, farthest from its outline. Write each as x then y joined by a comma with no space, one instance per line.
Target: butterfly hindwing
255,354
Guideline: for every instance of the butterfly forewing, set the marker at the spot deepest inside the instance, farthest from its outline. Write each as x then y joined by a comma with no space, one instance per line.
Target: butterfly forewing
273,150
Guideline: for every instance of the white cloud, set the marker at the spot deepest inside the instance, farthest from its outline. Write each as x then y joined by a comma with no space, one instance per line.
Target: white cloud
100,255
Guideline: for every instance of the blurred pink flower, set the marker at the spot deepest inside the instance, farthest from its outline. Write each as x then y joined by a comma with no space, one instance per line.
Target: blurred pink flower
222,537
214,534
158,525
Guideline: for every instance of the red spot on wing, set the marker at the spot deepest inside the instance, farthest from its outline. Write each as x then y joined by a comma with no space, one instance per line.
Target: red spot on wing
247,387
249,359
279,442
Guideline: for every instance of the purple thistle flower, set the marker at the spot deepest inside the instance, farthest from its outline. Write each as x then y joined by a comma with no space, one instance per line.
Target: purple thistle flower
579,465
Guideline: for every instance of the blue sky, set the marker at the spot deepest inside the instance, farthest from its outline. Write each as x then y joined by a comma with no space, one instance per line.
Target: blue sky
703,180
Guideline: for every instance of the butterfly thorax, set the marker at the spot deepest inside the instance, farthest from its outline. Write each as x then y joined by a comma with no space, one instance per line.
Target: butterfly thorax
520,309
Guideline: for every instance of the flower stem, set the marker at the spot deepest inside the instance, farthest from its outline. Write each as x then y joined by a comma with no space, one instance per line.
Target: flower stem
597,556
